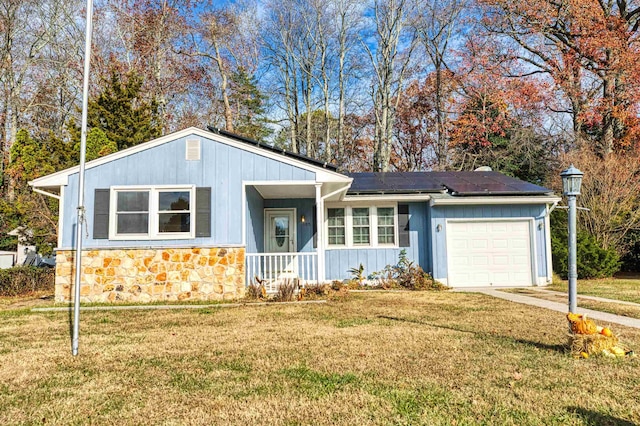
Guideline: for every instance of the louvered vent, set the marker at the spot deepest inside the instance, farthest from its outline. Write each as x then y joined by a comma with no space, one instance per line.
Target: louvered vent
193,149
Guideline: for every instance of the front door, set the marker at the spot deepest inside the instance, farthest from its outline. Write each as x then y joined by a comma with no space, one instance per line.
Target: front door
280,231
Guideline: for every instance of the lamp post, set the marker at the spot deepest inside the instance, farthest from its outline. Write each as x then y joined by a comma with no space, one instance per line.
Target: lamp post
571,181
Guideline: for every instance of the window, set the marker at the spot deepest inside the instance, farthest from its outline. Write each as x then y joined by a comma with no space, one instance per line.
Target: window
386,225
173,211
336,226
362,226
132,212
154,213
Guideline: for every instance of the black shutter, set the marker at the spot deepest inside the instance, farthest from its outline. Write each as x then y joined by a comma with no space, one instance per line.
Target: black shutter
101,214
315,226
203,212
403,225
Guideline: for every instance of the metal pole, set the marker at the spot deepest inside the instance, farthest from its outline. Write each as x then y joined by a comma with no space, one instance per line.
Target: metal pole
573,267
80,212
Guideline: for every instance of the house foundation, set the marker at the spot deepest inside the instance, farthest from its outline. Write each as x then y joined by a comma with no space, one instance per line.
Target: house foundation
147,275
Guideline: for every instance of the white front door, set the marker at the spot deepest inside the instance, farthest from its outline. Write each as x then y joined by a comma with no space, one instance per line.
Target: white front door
280,231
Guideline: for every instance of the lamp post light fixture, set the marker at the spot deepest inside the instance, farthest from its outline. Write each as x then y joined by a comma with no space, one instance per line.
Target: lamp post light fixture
571,181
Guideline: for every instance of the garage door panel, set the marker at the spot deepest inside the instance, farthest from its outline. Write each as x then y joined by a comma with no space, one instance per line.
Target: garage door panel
479,243
499,227
501,278
500,260
500,243
461,260
483,253
480,260
460,244
478,228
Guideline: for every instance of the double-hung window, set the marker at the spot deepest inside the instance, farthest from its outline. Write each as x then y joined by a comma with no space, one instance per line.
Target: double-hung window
336,226
358,226
386,225
152,212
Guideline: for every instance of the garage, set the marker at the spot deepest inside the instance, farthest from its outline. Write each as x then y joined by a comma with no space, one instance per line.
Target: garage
489,253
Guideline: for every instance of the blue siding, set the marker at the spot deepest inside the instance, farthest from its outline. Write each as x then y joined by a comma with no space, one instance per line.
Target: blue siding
304,231
255,221
439,214
222,167
339,261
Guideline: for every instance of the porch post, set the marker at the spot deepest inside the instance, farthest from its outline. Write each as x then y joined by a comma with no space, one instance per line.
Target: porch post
320,231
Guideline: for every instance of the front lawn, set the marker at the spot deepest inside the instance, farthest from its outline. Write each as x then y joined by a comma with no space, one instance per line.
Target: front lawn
373,358
611,288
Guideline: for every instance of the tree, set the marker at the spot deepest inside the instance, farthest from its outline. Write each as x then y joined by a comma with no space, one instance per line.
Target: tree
32,158
122,113
589,48
33,68
416,143
149,37
611,191
389,61
436,25
98,145
224,39
248,105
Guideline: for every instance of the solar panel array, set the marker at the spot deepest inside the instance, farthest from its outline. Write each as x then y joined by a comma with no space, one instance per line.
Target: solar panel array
455,183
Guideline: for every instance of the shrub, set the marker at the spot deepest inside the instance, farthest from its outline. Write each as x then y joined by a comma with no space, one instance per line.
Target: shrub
256,290
23,280
286,291
593,261
314,291
405,274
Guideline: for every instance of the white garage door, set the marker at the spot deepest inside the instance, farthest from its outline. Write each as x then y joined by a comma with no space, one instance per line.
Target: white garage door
489,253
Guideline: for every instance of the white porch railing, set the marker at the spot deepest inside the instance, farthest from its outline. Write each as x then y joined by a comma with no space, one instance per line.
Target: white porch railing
274,268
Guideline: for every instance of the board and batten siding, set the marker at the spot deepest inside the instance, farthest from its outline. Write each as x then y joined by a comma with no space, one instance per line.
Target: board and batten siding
304,231
339,261
221,167
440,214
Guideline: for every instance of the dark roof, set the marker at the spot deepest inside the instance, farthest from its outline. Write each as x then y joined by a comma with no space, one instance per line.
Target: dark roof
275,149
455,183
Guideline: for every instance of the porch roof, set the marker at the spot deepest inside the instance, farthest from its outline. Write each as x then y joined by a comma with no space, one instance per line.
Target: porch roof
330,191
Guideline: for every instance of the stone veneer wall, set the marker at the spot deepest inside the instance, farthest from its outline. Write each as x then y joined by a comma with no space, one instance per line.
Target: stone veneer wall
144,275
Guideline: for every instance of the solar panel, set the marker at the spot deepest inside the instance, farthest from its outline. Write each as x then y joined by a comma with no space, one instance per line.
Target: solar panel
396,182
457,183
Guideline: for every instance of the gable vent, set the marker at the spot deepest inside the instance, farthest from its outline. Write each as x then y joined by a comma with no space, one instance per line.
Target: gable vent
193,149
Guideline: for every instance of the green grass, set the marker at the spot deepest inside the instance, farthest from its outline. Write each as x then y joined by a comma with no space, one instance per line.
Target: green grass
402,358
610,288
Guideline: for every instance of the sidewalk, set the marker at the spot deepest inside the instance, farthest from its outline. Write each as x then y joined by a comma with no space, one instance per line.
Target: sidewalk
560,307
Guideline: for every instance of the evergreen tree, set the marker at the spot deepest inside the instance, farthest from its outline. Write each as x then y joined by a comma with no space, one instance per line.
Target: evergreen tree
122,113
249,106
30,159
98,145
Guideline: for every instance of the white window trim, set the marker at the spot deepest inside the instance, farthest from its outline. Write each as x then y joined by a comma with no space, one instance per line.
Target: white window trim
373,225
326,225
153,234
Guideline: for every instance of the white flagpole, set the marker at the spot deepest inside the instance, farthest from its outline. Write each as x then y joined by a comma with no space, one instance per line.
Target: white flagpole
81,210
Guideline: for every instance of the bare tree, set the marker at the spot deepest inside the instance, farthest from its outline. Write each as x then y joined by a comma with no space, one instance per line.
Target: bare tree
29,29
282,28
436,25
394,44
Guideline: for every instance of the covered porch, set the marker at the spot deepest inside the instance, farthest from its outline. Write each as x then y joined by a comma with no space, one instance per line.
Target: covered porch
283,231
